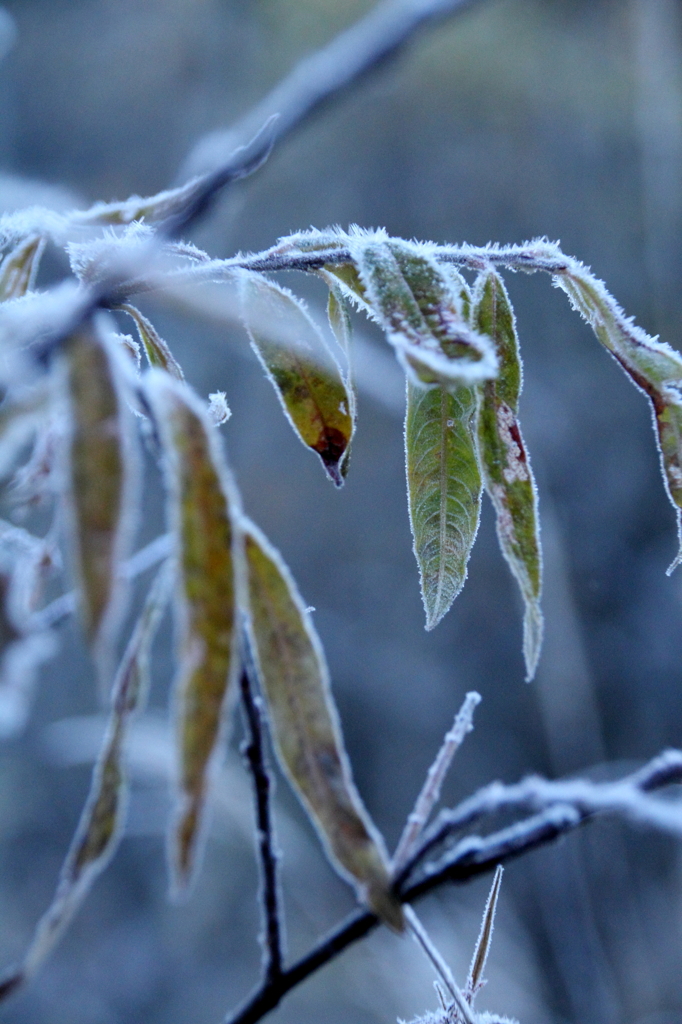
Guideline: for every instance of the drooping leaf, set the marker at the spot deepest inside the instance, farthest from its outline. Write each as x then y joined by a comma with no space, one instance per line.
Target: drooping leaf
307,381
652,365
19,267
306,730
100,825
443,488
103,472
156,349
419,308
506,469
202,499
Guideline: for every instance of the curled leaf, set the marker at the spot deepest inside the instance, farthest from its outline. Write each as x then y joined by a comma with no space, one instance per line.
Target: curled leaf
103,470
100,825
306,730
201,501
308,382
443,488
19,268
506,469
650,364
156,349
418,305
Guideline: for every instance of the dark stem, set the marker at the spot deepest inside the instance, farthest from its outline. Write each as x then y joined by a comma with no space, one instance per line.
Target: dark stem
471,857
254,753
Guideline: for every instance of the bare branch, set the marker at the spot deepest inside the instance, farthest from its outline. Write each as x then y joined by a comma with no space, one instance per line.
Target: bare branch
65,605
472,857
225,156
254,752
430,792
423,939
579,797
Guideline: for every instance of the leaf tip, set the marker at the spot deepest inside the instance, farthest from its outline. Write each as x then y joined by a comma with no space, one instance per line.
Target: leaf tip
678,557
533,629
386,905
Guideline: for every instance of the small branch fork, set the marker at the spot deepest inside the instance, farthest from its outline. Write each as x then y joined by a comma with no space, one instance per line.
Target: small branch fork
254,752
476,855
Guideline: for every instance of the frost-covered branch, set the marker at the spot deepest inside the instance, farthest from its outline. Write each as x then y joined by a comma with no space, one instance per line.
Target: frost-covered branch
224,156
574,799
254,753
430,792
475,856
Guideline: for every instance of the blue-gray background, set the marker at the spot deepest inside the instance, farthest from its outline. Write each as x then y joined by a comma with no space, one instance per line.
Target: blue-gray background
520,118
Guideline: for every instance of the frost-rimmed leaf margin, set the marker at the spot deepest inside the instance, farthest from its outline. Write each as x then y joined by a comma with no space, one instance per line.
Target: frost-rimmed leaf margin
306,729
652,365
418,308
313,393
504,460
101,481
443,489
203,513
101,823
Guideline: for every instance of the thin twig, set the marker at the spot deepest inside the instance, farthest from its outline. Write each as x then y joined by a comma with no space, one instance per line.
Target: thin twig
424,940
320,77
625,797
65,605
241,150
430,791
472,857
224,156
254,752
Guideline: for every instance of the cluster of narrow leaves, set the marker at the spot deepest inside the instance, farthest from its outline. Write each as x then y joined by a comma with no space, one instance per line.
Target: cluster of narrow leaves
459,348
461,356
231,589
83,410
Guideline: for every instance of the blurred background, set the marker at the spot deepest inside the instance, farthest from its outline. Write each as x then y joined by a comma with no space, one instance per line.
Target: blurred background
516,119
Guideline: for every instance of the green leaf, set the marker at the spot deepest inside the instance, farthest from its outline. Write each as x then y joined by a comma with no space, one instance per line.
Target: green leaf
418,305
309,384
444,490
99,829
306,729
652,365
103,468
202,502
19,268
506,469
156,349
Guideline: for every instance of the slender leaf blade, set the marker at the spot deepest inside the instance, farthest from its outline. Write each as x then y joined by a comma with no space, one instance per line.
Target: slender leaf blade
651,365
309,385
506,468
444,490
306,729
99,829
104,477
157,351
202,499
